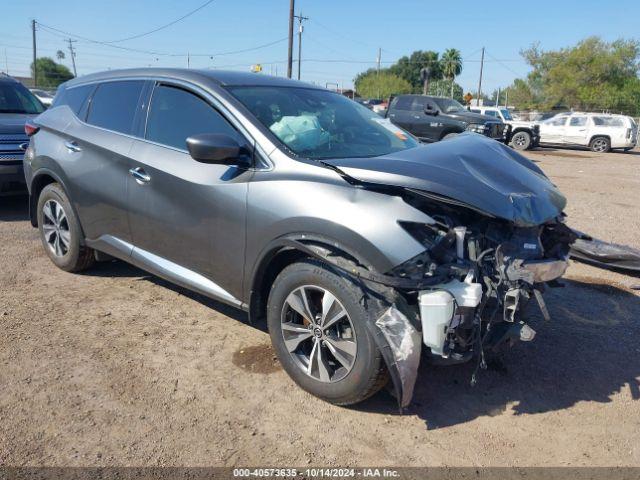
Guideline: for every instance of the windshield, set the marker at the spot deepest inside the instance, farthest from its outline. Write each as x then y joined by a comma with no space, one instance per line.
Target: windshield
15,98
320,124
448,105
506,114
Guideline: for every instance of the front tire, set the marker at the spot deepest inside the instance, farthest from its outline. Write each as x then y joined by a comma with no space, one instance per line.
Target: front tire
600,144
60,231
521,140
317,320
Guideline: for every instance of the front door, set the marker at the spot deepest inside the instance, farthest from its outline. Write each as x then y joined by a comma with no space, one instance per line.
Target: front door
426,126
552,130
187,218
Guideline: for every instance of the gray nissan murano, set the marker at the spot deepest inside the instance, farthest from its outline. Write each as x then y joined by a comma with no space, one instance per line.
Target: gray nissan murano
365,251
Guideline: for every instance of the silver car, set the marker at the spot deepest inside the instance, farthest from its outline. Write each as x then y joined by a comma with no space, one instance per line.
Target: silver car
364,250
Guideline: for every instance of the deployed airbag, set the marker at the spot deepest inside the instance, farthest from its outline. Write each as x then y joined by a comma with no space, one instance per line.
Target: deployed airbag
301,133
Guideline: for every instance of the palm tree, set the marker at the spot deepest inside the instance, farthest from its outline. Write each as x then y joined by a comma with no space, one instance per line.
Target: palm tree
451,65
60,55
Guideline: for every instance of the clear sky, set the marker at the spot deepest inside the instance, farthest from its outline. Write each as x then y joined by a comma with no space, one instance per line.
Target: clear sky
340,39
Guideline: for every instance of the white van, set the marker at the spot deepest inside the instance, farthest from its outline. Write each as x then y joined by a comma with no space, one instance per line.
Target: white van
598,131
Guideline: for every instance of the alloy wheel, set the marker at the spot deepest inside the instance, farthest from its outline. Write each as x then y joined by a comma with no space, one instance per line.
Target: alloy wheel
520,140
600,145
318,333
55,228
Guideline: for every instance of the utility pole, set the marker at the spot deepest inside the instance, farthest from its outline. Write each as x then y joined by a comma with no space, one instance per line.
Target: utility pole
188,60
6,62
290,55
378,60
300,29
498,98
480,81
35,73
73,56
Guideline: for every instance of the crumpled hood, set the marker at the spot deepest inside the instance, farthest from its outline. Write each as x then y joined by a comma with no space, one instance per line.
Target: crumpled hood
472,117
521,123
470,168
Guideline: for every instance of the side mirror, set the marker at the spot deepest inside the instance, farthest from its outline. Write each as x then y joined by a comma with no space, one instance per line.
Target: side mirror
213,148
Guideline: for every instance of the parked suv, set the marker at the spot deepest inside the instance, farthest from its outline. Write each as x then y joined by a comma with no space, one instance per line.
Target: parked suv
522,135
598,131
356,243
435,118
17,104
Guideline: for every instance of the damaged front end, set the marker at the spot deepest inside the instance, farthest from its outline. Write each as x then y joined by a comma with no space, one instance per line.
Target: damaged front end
475,276
495,239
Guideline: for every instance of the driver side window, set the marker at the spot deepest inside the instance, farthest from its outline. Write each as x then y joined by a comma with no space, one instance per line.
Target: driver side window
175,114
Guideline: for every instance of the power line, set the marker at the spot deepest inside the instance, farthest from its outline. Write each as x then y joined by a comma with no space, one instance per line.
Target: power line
163,26
62,33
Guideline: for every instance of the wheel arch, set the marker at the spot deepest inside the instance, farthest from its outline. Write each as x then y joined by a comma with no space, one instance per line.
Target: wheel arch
600,135
279,254
41,179
451,129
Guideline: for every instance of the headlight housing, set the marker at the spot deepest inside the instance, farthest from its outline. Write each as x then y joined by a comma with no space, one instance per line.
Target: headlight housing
480,128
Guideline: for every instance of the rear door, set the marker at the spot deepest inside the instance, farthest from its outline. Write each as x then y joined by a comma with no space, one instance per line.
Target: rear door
97,145
576,131
187,217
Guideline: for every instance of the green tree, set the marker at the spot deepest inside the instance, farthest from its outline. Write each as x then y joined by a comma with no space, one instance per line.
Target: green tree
381,85
409,68
592,75
49,73
451,62
443,88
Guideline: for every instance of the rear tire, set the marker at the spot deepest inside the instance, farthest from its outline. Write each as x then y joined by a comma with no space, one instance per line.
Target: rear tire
600,144
60,231
521,140
343,378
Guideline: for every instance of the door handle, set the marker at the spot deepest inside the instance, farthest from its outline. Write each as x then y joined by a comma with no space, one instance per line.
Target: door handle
72,146
140,175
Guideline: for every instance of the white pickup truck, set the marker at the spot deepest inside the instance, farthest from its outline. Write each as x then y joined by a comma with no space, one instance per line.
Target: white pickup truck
523,135
600,132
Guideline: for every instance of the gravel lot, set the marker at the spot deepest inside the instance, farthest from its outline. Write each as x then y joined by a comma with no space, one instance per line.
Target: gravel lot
114,367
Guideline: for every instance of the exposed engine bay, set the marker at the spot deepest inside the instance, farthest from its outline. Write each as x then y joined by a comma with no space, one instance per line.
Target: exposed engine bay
488,269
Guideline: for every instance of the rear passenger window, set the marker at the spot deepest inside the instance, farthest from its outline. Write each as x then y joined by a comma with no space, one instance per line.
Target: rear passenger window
76,98
578,121
113,106
403,103
176,114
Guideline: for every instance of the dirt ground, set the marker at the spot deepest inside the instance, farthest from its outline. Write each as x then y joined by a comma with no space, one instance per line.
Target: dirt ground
115,367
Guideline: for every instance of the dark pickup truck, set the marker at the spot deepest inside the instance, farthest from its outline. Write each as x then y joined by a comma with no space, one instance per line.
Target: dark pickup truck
434,118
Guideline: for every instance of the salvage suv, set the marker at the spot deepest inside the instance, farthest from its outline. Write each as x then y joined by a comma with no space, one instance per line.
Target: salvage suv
432,119
357,244
600,132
